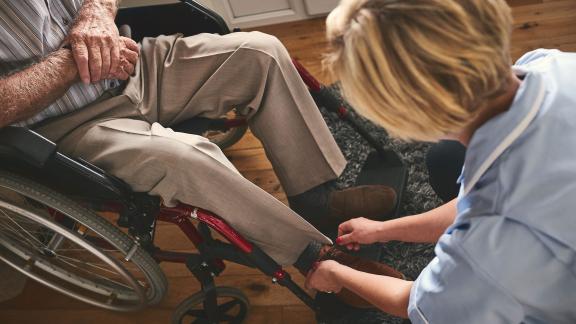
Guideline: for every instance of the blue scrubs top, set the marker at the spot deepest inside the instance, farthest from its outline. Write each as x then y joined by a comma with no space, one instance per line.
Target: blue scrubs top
510,256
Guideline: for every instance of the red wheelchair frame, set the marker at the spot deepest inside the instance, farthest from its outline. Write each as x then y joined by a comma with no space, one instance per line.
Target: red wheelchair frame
208,262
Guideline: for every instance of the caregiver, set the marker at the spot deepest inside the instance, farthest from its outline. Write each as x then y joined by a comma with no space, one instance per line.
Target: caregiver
428,70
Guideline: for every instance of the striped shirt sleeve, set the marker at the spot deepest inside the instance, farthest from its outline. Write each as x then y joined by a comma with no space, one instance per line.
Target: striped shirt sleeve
29,31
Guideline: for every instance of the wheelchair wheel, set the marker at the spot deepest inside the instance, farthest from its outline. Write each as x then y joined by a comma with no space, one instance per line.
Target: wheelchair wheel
228,136
73,250
223,131
225,139
232,307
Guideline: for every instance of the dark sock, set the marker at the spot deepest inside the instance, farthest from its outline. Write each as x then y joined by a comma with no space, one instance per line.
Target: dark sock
314,202
307,258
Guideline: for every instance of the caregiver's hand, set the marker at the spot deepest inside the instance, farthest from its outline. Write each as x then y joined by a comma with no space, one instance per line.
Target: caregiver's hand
358,231
323,277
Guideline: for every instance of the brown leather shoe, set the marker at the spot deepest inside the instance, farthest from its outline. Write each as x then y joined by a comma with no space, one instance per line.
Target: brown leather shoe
370,201
346,296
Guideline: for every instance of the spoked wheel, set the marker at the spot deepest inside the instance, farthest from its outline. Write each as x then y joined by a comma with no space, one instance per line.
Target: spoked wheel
232,307
73,250
224,131
234,130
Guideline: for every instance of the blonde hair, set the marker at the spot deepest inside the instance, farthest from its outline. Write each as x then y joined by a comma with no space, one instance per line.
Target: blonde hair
420,68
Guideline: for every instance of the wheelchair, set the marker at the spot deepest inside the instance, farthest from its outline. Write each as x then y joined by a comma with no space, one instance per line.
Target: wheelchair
57,213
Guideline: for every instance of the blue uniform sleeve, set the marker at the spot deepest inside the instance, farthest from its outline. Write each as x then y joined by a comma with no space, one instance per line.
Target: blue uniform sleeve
535,55
449,290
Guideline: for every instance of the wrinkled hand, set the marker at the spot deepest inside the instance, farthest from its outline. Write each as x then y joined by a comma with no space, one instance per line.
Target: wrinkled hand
129,53
358,231
322,277
96,46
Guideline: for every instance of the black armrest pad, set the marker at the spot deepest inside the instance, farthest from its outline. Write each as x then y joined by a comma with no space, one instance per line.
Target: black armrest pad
26,144
187,17
26,152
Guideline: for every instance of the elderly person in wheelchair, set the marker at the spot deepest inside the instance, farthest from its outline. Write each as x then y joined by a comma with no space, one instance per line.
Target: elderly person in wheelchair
69,76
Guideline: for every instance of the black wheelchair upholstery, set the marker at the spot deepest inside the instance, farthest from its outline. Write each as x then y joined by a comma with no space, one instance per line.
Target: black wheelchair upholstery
187,17
27,153
22,143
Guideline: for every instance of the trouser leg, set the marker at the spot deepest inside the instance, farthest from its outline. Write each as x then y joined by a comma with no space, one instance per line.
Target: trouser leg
188,168
207,75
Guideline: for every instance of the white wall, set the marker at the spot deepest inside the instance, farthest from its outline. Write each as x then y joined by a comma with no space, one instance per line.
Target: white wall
316,7
294,10
236,13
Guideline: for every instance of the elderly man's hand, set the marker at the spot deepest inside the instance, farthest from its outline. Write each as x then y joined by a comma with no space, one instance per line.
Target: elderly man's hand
129,53
95,44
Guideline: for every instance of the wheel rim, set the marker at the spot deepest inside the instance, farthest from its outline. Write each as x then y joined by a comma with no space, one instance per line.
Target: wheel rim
219,137
63,260
226,138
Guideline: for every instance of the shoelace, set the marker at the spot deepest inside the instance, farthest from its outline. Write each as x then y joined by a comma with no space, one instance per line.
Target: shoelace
331,253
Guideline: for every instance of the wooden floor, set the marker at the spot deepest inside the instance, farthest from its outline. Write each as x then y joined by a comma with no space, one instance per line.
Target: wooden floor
538,23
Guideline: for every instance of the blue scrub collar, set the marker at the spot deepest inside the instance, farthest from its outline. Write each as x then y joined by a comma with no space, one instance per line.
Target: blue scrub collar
496,135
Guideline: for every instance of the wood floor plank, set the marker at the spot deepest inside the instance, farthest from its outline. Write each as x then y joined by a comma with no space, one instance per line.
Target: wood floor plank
249,141
258,288
256,315
249,159
298,314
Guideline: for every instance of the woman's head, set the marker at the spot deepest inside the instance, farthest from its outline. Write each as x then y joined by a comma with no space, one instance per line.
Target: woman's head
420,68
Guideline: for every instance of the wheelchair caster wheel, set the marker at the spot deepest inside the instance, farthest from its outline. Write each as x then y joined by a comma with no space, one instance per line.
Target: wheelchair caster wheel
231,307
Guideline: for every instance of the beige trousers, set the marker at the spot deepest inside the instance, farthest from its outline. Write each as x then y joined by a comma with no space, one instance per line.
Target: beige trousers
207,75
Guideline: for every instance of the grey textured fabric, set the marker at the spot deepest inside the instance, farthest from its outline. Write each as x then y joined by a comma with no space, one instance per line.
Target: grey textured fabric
410,259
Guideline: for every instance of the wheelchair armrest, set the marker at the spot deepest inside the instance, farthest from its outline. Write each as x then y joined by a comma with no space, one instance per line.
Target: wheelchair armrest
217,20
31,155
187,17
26,144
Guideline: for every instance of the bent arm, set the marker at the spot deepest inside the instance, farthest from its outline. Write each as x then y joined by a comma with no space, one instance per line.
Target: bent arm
391,295
27,92
100,6
94,40
422,228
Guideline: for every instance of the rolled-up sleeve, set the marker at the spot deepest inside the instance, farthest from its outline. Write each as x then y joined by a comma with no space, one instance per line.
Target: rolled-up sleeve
449,291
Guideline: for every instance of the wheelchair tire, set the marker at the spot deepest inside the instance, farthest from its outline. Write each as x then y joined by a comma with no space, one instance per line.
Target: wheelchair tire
229,138
31,247
232,306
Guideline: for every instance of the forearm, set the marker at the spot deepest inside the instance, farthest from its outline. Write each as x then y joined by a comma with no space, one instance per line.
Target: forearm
391,295
422,228
95,41
27,92
91,8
